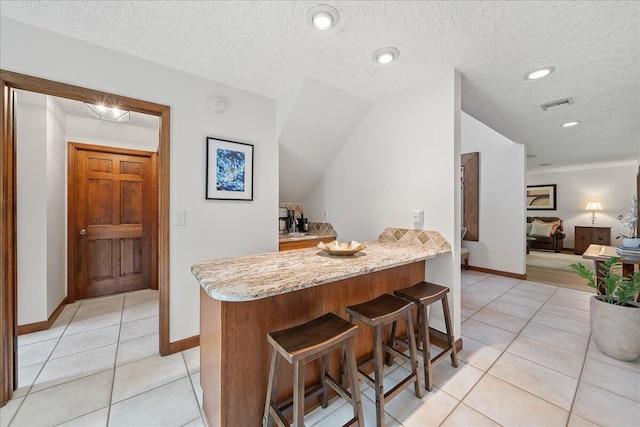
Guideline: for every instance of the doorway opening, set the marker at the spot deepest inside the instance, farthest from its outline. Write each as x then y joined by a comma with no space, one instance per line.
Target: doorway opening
8,231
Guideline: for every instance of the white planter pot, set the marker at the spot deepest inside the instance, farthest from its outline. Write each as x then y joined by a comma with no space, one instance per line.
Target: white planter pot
631,242
614,329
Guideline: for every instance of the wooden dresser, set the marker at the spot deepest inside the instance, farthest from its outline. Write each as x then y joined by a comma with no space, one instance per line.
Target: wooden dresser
584,236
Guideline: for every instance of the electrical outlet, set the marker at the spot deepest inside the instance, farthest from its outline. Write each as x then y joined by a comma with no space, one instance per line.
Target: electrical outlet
325,215
418,216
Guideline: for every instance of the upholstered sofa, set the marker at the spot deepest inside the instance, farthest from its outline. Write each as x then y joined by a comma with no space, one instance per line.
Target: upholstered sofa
548,233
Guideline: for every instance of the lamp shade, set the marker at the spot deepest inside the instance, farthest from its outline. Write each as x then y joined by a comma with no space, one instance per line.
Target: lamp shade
593,206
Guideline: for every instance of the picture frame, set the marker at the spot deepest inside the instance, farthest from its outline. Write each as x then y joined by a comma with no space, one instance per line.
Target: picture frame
541,197
229,170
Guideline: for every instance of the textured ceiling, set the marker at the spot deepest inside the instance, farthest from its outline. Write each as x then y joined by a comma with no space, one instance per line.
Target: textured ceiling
266,46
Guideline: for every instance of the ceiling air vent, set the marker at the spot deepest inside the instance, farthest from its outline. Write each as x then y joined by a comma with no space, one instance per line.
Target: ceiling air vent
558,103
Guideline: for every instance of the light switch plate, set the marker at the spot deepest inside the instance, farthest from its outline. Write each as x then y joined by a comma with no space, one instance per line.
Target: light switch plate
418,215
179,217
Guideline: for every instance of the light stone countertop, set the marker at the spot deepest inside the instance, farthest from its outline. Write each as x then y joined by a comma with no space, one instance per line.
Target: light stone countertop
259,276
310,236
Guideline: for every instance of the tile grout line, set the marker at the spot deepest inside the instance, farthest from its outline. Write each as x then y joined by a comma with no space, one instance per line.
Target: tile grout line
115,361
575,394
193,389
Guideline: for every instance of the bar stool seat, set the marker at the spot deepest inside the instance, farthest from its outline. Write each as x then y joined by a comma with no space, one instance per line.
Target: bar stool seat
422,295
377,313
302,344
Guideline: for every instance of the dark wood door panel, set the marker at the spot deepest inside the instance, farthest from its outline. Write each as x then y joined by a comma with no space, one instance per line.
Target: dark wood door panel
113,221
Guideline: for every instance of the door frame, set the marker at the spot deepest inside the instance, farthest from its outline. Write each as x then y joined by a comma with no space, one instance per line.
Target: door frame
72,249
8,230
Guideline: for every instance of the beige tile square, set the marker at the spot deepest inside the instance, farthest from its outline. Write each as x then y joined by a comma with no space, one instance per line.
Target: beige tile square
140,307
578,421
169,404
562,323
455,381
143,375
344,412
468,310
64,369
464,416
541,381
486,290
93,419
198,422
485,333
26,377
490,396
95,315
605,408
478,354
505,282
410,411
55,331
537,287
317,416
574,295
197,388
139,328
528,294
565,340
71,344
520,301
567,301
9,410
499,320
35,353
612,378
547,355
511,309
192,359
474,299
137,348
65,401
561,310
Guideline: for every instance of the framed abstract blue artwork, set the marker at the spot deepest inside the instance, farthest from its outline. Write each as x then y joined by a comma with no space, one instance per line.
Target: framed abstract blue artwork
229,170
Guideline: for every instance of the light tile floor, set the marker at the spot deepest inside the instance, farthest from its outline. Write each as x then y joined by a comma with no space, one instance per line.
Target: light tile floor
527,360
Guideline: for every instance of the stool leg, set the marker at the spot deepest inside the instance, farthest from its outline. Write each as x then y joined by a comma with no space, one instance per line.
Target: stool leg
426,346
298,394
267,420
392,343
325,388
413,353
447,320
356,401
377,364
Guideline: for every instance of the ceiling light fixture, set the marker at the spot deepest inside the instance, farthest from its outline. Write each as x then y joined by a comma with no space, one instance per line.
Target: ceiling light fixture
386,55
540,72
108,114
570,124
531,156
323,17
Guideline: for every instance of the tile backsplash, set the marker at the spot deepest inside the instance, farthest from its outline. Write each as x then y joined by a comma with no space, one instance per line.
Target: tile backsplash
424,238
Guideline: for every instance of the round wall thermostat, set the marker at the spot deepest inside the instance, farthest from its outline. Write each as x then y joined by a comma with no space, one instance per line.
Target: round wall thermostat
217,104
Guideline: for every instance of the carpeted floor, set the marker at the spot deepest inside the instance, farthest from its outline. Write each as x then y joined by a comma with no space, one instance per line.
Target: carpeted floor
556,261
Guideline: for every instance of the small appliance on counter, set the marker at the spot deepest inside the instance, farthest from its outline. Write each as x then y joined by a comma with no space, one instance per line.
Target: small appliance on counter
303,224
283,216
291,221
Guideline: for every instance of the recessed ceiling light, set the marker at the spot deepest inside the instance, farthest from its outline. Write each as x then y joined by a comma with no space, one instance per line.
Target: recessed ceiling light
386,55
323,17
538,73
531,156
544,164
569,124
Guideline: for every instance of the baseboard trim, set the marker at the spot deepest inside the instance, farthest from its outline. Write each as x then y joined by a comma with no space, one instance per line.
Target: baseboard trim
45,324
439,339
499,273
185,344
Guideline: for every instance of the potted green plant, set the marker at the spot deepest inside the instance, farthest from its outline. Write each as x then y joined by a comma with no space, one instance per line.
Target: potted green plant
614,316
630,221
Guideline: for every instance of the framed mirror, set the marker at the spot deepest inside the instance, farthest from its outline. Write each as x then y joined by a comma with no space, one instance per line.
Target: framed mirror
470,181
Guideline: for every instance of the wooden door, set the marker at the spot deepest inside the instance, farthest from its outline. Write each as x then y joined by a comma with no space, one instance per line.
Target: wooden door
112,230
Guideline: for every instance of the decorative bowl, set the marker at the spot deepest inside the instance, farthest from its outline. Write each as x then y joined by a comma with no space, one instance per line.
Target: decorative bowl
341,249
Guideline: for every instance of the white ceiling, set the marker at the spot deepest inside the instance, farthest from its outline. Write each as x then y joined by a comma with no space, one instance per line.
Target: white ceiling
265,46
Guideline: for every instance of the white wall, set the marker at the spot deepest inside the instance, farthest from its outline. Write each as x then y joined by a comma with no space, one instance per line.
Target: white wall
31,161
56,206
611,185
97,132
501,244
213,228
405,155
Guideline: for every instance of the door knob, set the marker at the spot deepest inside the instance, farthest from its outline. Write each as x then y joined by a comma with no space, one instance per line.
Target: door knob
83,232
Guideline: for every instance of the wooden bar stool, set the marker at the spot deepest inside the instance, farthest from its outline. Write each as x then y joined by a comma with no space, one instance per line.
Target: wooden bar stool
377,313
423,294
305,343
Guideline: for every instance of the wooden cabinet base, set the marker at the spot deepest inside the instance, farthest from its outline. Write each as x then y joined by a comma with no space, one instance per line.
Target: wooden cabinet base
234,353
306,243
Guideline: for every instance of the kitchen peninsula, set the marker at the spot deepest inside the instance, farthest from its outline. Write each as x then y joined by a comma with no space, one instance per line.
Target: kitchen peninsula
244,298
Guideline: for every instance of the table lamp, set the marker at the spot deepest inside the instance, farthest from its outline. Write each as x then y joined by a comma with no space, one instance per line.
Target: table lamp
593,207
